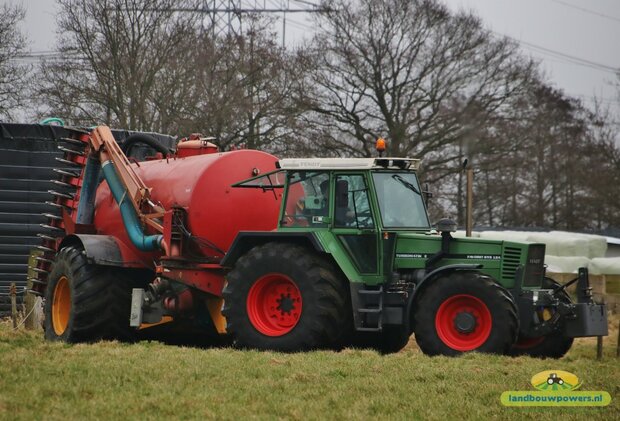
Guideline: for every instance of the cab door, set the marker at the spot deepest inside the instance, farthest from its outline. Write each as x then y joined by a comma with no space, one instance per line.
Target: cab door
353,222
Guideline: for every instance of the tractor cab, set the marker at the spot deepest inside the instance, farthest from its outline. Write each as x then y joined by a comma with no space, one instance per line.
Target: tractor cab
354,203
360,194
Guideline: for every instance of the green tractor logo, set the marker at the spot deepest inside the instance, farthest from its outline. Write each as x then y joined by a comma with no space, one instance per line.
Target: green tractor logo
555,380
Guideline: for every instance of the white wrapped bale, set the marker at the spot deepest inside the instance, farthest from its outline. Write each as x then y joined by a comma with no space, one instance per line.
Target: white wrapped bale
604,266
571,246
462,234
565,264
516,236
553,244
596,244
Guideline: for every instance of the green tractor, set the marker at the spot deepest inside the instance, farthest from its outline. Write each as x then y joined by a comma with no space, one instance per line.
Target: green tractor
356,261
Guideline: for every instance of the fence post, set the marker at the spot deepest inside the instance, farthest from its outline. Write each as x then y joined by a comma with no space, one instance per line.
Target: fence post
32,302
13,294
618,345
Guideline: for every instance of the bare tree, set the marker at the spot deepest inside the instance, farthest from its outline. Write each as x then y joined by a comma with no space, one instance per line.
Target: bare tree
12,75
547,161
138,65
121,57
245,92
598,169
410,71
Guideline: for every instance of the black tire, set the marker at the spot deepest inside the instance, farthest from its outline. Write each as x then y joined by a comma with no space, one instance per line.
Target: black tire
325,319
394,338
98,301
390,341
491,323
554,345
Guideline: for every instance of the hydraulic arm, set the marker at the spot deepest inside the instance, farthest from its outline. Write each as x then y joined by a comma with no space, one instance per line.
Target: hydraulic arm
129,191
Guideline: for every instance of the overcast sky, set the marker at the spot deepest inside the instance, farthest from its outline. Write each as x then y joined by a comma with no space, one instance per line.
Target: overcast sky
592,35
557,25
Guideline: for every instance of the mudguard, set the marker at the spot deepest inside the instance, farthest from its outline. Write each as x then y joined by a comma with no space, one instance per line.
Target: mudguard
427,279
246,240
104,250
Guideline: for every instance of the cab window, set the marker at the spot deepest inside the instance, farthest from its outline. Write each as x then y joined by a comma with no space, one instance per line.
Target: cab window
400,200
352,207
307,200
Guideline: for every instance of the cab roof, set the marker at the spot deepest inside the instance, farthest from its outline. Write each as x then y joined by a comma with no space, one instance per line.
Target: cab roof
347,163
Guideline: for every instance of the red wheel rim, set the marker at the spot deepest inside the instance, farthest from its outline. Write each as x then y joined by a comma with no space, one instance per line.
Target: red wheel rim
526,343
274,304
463,322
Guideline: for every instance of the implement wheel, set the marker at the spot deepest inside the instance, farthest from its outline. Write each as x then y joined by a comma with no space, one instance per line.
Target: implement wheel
554,345
85,302
462,312
285,297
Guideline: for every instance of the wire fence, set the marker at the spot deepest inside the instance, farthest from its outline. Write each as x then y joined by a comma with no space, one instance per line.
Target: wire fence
8,294
23,320
22,307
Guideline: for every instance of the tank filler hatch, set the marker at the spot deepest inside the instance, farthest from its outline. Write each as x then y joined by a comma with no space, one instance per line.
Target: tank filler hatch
195,144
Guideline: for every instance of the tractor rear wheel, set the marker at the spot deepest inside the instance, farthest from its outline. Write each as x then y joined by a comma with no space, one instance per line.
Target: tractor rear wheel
554,345
85,302
285,297
462,312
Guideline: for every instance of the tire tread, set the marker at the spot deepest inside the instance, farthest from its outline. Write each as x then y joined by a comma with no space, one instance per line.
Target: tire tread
100,300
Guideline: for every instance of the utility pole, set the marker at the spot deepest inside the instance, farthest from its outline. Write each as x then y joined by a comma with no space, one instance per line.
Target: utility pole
470,201
284,25
469,196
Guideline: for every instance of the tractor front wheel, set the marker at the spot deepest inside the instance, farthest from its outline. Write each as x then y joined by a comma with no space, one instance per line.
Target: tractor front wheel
84,302
554,345
462,312
285,297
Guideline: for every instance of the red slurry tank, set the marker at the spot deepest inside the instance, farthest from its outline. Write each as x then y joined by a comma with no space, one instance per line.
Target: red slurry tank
202,185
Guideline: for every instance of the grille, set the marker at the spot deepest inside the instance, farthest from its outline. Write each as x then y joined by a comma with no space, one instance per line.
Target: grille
535,266
510,263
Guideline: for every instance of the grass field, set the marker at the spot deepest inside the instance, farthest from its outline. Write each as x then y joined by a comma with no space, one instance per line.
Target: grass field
149,380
